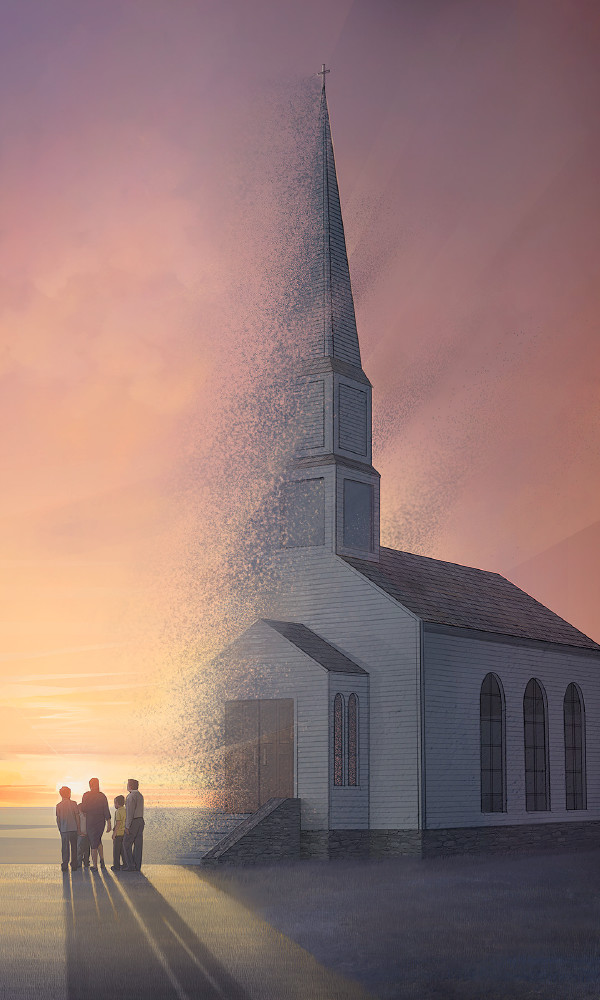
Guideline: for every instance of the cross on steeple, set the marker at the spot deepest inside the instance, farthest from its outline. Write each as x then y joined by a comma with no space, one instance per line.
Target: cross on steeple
322,73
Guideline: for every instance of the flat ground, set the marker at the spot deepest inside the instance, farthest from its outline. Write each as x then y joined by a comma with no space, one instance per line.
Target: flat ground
443,929
165,935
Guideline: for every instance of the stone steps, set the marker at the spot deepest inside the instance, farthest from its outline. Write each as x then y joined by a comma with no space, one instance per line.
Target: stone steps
272,833
221,825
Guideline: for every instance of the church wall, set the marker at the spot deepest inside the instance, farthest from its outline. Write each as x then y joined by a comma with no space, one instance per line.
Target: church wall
339,604
262,664
454,668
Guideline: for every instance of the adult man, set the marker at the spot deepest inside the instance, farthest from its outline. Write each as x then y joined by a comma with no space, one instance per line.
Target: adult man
133,840
67,821
97,816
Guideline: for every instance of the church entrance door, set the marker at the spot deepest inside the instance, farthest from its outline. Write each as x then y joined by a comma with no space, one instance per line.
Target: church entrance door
259,759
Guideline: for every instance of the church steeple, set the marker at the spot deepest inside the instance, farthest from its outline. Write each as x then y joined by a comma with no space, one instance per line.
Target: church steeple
340,338
332,493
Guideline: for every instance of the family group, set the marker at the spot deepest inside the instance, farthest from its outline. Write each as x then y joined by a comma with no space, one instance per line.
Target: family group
81,828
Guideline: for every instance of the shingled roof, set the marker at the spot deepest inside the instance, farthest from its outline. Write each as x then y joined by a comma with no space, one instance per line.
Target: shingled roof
449,594
315,647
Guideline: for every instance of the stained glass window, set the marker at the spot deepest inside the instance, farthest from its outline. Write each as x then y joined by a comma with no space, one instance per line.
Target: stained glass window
353,740
537,784
575,780
338,740
491,727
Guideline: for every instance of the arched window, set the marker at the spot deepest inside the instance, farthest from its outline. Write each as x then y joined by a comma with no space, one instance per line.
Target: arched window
574,748
338,740
537,784
353,740
491,728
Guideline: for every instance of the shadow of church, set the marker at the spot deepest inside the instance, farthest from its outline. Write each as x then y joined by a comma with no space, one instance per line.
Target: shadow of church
123,939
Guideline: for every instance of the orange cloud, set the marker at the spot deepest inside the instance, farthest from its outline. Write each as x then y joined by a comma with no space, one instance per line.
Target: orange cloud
27,795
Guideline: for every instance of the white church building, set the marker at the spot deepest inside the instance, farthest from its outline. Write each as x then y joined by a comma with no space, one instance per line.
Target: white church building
407,703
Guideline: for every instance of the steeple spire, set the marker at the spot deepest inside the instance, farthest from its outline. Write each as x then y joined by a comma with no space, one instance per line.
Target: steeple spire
340,338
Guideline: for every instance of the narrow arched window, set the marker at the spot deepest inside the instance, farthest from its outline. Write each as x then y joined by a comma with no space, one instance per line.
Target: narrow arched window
575,782
353,740
338,740
537,784
491,728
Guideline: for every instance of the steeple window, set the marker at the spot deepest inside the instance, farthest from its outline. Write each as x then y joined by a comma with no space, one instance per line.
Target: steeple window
358,515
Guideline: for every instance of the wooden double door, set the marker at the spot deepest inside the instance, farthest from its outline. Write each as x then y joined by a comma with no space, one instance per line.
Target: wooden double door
259,754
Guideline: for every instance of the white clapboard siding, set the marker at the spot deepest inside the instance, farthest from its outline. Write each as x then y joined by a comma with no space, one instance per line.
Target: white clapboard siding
262,664
345,609
454,668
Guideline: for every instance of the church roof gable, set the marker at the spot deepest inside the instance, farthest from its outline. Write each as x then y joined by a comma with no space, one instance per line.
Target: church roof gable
461,596
310,643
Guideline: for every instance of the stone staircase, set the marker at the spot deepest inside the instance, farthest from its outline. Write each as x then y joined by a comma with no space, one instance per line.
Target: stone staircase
272,833
219,826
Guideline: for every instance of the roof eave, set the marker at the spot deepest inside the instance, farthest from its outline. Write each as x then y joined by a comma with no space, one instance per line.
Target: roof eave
432,625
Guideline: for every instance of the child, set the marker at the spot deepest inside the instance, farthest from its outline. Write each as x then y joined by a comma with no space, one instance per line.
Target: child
118,832
67,821
83,842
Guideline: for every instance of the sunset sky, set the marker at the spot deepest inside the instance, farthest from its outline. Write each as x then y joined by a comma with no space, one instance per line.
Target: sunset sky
146,146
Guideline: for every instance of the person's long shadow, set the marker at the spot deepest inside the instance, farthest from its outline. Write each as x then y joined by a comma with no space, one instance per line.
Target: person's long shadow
123,939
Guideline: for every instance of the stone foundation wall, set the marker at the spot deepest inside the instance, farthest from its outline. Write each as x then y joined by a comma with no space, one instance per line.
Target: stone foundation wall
330,844
502,839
